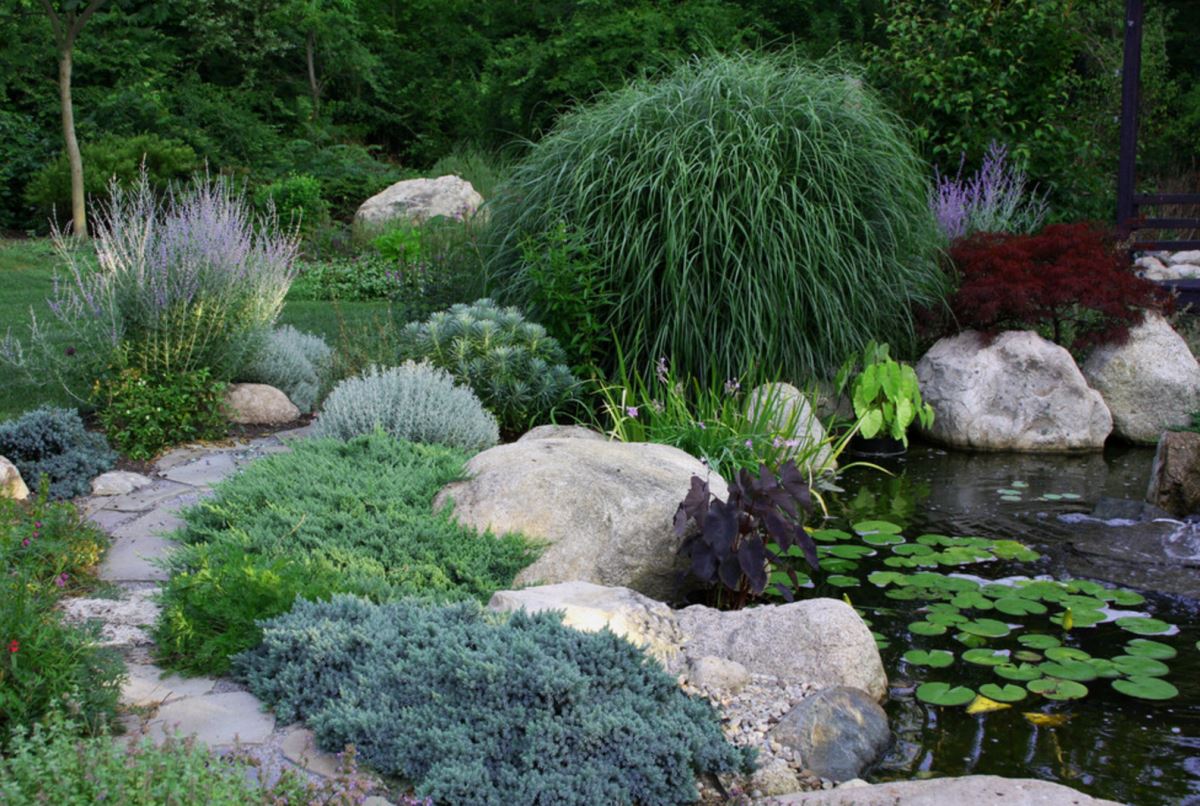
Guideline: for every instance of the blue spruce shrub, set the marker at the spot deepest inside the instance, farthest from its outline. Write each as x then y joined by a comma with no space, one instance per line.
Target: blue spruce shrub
517,370
414,402
297,364
53,442
476,708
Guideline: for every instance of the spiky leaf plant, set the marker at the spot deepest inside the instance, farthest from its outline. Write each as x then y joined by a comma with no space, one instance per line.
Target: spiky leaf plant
744,209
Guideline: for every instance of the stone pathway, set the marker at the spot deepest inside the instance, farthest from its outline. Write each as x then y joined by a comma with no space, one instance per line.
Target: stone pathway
137,512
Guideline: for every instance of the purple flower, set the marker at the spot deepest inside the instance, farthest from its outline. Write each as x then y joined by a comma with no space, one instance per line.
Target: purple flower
661,369
732,386
632,411
25,543
749,443
703,427
61,580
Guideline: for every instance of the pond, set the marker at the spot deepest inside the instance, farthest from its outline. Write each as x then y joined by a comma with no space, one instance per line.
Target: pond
1072,725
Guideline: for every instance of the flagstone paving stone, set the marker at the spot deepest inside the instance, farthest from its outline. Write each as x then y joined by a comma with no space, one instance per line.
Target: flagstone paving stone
233,717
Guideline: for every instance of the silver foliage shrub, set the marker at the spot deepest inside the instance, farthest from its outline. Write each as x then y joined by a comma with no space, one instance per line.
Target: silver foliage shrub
296,363
416,402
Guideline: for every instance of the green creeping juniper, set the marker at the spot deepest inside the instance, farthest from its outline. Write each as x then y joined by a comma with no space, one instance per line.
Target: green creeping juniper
516,369
480,708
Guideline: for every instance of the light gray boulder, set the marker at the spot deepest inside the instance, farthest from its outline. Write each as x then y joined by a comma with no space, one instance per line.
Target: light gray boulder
11,483
1018,392
561,432
258,404
417,200
1150,383
969,789
794,422
604,510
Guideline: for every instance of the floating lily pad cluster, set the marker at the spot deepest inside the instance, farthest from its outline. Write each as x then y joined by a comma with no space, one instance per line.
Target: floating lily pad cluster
1015,492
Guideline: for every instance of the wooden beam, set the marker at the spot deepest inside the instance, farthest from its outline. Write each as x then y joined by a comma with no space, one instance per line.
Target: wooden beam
1130,80
1148,199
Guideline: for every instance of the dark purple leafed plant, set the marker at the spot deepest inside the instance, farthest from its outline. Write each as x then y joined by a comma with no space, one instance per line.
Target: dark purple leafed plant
993,199
740,538
188,283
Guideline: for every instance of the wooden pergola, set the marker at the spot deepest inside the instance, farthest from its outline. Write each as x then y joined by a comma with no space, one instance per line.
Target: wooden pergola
1130,219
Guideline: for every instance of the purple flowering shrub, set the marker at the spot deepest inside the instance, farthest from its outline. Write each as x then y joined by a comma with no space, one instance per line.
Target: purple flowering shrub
993,199
189,282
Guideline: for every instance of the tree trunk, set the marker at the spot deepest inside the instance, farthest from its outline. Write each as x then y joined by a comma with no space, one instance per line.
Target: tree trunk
310,47
78,205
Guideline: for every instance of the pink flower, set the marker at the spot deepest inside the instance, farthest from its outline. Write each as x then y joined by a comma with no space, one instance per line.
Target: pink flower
61,580
749,443
25,543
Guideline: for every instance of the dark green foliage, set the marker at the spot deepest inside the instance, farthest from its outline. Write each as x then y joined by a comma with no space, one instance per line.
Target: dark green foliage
23,149
52,442
142,414
328,517
297,202
478,709
514,367
743,210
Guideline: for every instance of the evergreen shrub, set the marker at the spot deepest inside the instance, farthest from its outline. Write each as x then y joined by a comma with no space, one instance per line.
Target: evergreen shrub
480,709
416,402
328,517
52,442
297,200
515,368
743,210
298,364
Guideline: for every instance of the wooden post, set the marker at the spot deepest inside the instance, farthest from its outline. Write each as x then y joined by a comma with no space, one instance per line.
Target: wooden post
1130,83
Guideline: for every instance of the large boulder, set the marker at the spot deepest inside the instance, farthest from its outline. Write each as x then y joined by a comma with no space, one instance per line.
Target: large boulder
11,483
604,509
1150,383
1017,392
417,200
1175,474
560,432
793,423
838,732
969,789
258,404
820,641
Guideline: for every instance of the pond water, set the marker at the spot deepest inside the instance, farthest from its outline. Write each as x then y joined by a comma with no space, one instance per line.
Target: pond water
1106,743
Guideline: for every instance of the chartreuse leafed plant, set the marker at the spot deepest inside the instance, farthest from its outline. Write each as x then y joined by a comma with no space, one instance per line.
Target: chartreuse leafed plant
188,283
885,395
329,517
515,368
478,708
743,209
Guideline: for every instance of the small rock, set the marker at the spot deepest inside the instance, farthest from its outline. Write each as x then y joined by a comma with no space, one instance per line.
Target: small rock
838,732
11,483
300,747
1175,474
259,404
718,673
118,482
1192,256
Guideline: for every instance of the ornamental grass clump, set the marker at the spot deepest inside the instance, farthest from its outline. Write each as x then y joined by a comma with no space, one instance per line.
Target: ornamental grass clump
743,210
477,708
189,282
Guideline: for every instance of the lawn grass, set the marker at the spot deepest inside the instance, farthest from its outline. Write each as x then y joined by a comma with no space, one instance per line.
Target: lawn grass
360,330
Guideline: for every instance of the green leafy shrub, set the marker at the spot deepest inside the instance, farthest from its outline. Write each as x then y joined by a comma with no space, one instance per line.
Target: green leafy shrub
360,278
46,551
415,402
298,364
110,157
23,150
514,367
328,517
297,201
52,442
349,174
744,210
476,710
49,765
142,414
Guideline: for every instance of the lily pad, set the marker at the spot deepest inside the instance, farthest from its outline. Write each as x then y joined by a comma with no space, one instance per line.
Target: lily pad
945,618
1008,692
1140,666
847,551
1143,625
986,628
1078,670
902,594
912,549
1146,688
1027,655
1150,649
985,657
882,539
1058,689
1060,653
830,535
926,628
842,581
1079,618
944,694
937,658
1023,672
1104,667
1016,606
837,565
972,600
1018,485
1126,598
1038,641
885,578
877,527
985,705
973,641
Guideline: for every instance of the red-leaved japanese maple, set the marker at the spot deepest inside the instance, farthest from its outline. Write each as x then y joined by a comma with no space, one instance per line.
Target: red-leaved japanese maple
1068,281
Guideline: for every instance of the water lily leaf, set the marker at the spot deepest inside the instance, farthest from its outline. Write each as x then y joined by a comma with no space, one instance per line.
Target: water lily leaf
1060,653
1150,649
926,628
972,600
973,641
1104,667
1024,672
881,539
881,641
1038,641
1027,655
1143,625
1016,606
830,535
1077,602
899,562
944,694
1071,496
1146,688
1086,586
986,628
1057,689
837,565
1046,720
937,658
902,594
842,581
912,549
1050,497
1078,670
1012,499
1070,619
885,578
877,527
1007,491
985,657
1006,693
945,618
1140,666
935,540
1126,598
984,705
1019,484
847,551
1012,550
